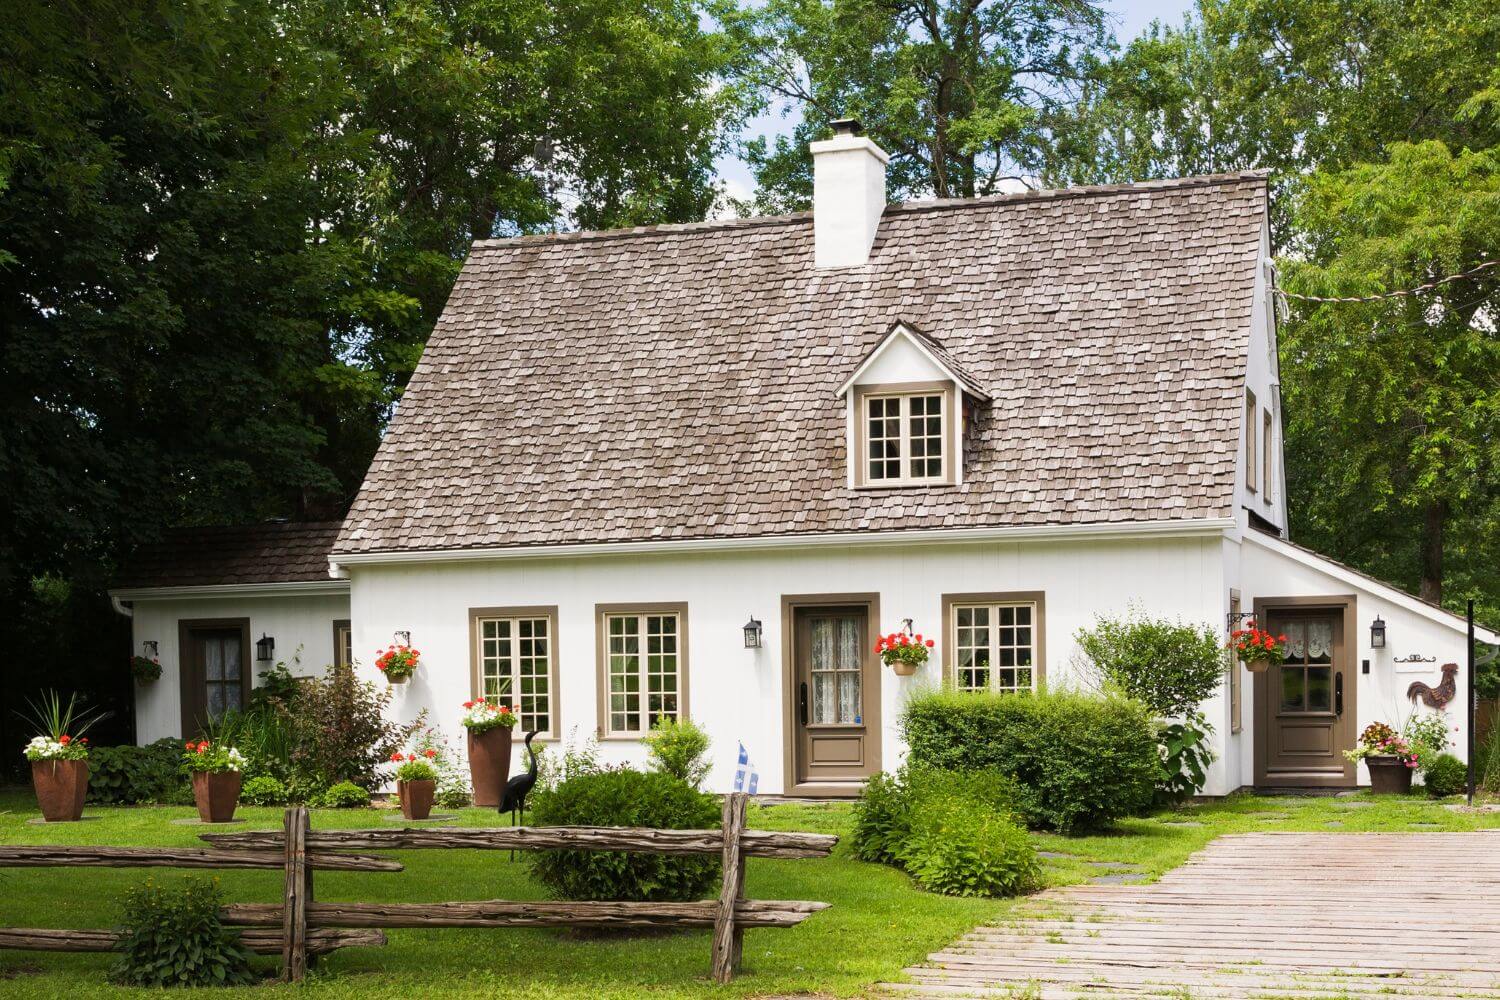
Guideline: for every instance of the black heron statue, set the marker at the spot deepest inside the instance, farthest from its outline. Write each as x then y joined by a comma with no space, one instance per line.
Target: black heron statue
513,799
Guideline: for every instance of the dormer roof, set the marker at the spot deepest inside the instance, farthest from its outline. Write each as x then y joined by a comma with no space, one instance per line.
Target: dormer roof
950,366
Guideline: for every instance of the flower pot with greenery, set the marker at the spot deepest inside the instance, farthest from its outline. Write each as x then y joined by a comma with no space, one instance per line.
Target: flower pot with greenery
145,669
398,663
489,729
416,782
59,757
1257,648
903,653
216,779
1389,757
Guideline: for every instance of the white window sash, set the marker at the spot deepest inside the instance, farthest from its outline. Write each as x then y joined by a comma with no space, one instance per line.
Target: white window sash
903,439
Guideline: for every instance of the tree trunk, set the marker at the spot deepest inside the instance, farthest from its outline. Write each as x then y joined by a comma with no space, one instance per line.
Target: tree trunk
1434,517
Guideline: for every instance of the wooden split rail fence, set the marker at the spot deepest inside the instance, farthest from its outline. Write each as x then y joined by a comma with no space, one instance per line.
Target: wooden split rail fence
300,927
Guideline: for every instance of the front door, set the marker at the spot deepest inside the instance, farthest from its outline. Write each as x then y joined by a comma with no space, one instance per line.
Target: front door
215,666
836,699
1304,706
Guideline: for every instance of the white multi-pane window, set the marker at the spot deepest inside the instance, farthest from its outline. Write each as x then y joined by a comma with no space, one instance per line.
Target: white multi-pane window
994,647
515,669
904,438
643,670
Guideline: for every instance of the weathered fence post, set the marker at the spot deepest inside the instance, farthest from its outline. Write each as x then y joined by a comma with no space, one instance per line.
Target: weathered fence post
728,936
295,898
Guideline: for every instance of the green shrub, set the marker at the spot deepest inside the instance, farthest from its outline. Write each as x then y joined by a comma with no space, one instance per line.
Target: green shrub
1185,756
174,938
344,795
625,797
679,749
125,775
883,814
961,845
1445,775
1078,761
263,791
1170,666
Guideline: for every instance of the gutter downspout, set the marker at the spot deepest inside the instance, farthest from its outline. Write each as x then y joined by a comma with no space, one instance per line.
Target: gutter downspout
122,608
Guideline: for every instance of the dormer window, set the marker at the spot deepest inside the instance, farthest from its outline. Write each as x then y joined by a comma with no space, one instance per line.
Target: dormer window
905,435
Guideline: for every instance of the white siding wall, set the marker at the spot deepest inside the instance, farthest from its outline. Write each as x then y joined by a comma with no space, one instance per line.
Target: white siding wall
737,693
1263,379
302,627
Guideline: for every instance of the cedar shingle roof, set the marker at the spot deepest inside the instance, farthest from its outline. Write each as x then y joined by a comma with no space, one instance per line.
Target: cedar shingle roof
276,552
678,381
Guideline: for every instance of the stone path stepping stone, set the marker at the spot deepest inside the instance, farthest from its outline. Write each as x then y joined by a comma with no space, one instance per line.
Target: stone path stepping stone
39,821
1127,878
1354,805
1426,826
195,821
1111,864
1052,854
1180,822
1334,822
434,818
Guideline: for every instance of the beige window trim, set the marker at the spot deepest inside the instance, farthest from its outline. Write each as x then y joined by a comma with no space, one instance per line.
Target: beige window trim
1036,598
476,648
343,643
1235,692
1251,466
602,614
1266,451
903,390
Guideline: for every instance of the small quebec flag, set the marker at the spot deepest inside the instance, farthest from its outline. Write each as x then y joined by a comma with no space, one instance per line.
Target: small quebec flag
745,777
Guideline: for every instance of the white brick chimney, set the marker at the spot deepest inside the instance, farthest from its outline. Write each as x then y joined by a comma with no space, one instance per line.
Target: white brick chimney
848,196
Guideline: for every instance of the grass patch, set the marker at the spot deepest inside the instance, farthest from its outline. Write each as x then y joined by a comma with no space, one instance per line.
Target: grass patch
878,924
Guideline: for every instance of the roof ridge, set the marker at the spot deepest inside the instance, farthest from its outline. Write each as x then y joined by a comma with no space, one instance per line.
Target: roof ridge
930,205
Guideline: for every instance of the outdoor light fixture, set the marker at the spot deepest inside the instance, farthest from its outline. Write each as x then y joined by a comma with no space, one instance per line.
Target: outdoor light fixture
149,648
402,638
1377,633
752,633
265,648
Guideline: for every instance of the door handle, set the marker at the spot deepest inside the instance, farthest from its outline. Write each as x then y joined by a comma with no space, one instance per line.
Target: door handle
1338,693
802,703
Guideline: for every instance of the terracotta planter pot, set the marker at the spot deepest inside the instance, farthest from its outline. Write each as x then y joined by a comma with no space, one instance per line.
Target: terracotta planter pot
489,764
216,795
60,788
1257,666
901,669
416,797
1389,775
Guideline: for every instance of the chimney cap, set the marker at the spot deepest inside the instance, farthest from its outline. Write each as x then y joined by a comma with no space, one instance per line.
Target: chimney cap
847,126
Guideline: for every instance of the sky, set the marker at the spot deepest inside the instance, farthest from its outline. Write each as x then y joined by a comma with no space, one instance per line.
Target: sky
1131,18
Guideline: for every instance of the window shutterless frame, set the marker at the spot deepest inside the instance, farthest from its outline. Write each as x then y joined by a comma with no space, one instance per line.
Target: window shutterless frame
644,670
900,406
1251,466
517,653
1034,600
343,643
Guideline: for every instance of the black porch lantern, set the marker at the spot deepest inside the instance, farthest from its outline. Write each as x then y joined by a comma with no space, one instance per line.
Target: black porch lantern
752,633
1377,633
265,648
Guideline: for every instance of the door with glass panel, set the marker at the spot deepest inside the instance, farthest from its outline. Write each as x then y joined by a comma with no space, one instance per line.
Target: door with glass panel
215,670
834,691
1304,705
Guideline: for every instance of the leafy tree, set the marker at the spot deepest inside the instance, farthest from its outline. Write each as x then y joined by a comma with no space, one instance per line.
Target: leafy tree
964,94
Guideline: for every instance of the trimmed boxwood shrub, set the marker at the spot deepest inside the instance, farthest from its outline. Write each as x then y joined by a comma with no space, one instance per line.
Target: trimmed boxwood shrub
126,775
344,795
1079,761
263,791
1446,775
626,797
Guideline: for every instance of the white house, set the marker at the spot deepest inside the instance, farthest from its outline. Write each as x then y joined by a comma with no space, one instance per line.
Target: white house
997,418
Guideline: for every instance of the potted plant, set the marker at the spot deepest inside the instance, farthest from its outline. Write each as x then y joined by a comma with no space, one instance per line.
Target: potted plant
489,729
398,663
416,782
1389,757
59,757
903,653
1257,648
216,779
145,669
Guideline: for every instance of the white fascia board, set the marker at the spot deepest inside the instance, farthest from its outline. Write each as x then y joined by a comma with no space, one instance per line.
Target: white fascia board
1385,591
1125,530
302,588
899,330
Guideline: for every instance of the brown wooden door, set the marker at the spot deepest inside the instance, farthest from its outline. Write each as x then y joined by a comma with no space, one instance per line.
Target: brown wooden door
1304,706
834,688
215,662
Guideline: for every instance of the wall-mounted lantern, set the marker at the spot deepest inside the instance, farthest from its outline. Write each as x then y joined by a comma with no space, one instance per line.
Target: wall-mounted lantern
752,633
149,649
402,637
1377,633
265,648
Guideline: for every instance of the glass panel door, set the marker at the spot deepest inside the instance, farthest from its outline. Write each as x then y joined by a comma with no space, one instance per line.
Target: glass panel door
835,657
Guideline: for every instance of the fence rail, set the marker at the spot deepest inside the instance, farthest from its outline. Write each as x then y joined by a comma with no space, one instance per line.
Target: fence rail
299,927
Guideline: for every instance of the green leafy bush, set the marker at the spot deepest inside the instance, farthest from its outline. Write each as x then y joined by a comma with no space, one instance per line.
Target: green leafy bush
961,845
174,938
1078,761
625,797
344,795
126,775
679,749
337,730
882,818
1170,666
263,791
1445,775
1185,756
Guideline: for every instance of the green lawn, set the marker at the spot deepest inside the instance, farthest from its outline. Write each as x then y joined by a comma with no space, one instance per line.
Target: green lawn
878,922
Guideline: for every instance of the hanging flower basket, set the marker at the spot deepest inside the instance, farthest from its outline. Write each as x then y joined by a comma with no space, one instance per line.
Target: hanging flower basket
903,653
398,663
1256,648
145,669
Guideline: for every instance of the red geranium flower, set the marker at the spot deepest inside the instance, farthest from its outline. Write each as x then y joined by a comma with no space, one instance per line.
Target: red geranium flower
429,752
66,739
930,644
505,708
